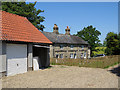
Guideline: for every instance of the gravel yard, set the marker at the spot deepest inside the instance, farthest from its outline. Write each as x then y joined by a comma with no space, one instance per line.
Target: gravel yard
59,76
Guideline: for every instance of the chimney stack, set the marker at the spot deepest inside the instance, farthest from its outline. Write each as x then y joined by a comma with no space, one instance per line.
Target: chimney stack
55,29
67,31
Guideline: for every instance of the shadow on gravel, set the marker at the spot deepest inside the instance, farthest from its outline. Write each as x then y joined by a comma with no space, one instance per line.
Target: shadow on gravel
46,67
116,71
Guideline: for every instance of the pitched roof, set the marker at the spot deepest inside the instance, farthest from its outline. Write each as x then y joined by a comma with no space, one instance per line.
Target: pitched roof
17,28
62,38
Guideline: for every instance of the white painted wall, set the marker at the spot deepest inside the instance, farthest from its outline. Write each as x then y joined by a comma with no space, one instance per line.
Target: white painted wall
16,59
3,56
0,56
35,63
88,53
30,55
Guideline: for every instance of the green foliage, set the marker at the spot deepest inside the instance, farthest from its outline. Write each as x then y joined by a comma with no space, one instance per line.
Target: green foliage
90,35
100,45
104,43
99,50
113,44
26,10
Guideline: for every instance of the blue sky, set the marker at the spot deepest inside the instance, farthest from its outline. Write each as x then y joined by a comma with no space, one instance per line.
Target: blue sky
77,15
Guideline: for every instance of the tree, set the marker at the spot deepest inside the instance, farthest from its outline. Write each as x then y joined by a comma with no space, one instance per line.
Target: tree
99,50
90,35
26,10
104,43
113,43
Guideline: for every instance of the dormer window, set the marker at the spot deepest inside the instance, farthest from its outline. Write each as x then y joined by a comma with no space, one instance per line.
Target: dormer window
61,46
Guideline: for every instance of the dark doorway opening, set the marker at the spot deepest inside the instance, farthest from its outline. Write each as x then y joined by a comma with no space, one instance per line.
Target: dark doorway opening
42,55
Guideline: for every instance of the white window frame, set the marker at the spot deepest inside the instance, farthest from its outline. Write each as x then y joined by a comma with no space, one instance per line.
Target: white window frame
61,55
71,46
61,47
85,54
75,56
82,46
82,55
57,55
71,55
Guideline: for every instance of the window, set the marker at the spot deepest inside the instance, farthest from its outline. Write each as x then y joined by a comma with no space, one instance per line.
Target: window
82,46
71,46
71,55
61,46
57,56
84,54
61,55
81,55
75,56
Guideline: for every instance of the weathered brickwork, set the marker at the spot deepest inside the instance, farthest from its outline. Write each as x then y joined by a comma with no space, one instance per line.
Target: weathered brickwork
66,51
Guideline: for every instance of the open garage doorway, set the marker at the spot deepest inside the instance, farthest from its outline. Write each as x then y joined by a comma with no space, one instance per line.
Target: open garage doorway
41,57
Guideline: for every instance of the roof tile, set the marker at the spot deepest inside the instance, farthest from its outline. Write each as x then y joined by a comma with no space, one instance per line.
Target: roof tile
17,28
62,38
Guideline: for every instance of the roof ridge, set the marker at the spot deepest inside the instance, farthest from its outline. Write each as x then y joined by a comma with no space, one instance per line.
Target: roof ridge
62,38
53,33
57,34
14,14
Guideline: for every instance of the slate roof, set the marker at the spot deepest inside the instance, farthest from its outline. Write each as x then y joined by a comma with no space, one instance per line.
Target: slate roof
16,28
62,38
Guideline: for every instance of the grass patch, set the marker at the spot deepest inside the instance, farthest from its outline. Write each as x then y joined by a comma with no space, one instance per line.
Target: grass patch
112,65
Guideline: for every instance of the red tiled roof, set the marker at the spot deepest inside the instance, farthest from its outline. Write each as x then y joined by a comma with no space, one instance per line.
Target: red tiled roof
17,28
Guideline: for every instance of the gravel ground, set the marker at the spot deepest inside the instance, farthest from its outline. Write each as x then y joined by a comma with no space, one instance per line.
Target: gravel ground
59,76
0,84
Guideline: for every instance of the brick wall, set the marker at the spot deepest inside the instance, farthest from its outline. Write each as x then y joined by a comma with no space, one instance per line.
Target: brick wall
68,51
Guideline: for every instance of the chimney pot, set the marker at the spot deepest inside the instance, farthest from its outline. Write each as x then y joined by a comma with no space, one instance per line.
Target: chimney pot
55,29
67,31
